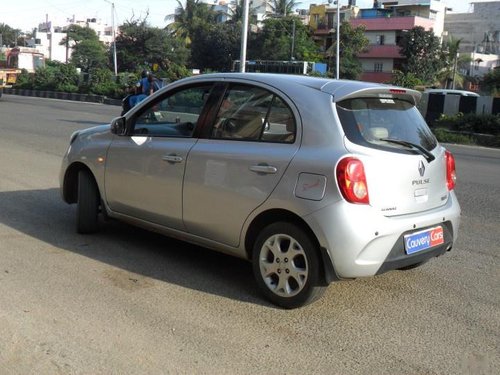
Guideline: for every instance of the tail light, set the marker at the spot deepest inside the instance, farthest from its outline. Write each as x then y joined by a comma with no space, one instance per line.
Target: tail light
451,173
351,178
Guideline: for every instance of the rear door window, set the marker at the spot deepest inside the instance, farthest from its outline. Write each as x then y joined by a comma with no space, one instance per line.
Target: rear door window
250,113
374,122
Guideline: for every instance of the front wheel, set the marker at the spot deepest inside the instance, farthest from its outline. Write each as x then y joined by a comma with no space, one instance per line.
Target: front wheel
286,266
87,208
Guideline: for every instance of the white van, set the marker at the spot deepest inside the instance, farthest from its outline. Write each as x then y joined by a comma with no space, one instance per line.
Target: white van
451,92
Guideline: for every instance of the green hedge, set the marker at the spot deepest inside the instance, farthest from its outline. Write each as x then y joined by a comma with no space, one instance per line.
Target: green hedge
470,123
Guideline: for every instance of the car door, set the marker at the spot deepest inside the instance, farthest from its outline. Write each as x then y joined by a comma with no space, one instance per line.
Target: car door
145,169
237,165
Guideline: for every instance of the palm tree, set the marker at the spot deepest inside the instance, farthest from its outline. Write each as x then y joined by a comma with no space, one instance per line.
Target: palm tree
450,76
281,8
187,18
236,12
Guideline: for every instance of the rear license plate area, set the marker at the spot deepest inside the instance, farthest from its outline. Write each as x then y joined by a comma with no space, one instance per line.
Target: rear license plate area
423,240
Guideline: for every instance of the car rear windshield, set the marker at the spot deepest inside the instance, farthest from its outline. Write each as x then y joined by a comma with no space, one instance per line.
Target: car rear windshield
383,122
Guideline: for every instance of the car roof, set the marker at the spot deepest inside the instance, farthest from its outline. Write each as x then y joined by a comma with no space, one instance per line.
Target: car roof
339,89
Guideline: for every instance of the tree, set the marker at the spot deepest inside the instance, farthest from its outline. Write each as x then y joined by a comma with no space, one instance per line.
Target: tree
215,46
9,35
236,12
422,51
282,8
76,34
405,80
187,18
450,74
275,40
352,42
491,82
88,52
142,47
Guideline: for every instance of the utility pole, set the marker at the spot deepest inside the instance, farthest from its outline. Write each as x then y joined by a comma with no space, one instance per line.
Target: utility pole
293,40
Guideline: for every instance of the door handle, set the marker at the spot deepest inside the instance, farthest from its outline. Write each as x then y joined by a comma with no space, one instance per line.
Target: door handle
263,168
172,158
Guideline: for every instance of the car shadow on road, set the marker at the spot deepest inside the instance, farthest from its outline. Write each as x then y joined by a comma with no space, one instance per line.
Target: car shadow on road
42,214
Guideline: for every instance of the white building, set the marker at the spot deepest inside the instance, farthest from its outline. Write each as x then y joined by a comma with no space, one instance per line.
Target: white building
48,38
479,34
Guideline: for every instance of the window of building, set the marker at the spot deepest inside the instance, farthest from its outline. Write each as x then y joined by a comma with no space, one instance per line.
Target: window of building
380,39
378,67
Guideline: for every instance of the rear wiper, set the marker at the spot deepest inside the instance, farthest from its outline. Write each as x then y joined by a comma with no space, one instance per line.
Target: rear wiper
426,154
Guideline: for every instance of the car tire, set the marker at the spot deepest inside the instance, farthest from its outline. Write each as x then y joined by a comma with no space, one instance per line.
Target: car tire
286,265
87,208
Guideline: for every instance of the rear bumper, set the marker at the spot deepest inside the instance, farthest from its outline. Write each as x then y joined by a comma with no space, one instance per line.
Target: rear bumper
398,258
361,241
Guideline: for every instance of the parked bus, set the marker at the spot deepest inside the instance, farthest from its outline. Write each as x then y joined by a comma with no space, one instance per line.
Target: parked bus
284,67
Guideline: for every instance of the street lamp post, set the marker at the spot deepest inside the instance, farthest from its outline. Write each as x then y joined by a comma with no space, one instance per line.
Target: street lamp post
454,71
114,35
337,61
244,35
338,41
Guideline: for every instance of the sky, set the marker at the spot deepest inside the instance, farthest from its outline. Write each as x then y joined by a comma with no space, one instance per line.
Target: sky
27,14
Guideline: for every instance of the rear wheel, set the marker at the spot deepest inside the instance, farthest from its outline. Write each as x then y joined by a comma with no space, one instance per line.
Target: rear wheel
286,266
87,208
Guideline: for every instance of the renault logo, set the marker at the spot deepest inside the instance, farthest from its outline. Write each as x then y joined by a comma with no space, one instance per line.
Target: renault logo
421,168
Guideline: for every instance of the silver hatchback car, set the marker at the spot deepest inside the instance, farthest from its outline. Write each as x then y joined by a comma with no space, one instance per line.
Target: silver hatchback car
313,180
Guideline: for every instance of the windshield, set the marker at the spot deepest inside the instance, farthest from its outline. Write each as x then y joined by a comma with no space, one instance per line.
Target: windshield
374,122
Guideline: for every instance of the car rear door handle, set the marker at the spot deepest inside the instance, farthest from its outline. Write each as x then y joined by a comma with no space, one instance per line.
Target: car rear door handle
263,168
172,158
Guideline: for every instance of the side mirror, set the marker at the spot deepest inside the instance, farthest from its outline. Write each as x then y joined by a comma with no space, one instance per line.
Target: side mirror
118,126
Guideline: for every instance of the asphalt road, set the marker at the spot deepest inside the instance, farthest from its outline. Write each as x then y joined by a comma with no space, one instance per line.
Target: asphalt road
126,301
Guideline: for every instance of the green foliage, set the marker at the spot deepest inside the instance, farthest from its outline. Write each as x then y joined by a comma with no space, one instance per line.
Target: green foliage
444,135
188,18
173,72
142,47
491,82
76,34
89,54
24,80
471,123
423,53
55,76
452,64
281,8
215,46
9,35
408,80
102,82
274,42
236,12
352,42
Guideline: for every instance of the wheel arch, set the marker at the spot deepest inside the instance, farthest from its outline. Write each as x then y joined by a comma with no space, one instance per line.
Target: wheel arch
265,218
70,184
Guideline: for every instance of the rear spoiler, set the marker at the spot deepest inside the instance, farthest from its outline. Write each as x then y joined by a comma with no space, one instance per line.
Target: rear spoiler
361,90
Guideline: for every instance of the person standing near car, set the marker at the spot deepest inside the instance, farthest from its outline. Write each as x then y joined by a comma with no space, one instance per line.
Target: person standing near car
142,89
154,84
